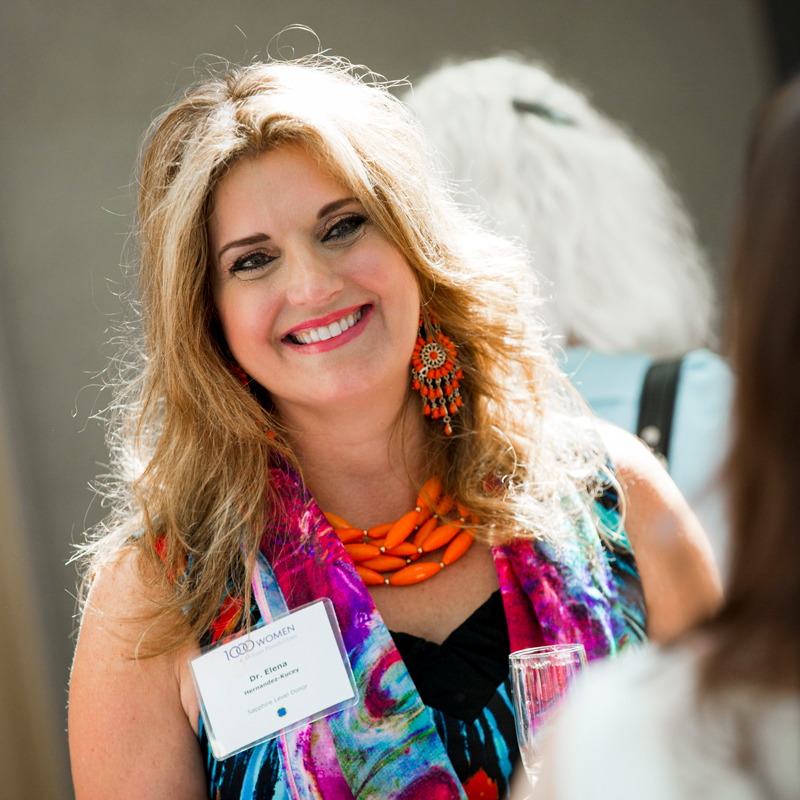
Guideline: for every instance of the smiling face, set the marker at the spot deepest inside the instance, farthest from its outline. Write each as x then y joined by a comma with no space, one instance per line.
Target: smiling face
314,301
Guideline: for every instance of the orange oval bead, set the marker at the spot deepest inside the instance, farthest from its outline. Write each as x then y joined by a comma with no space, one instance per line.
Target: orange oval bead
462,511
369,576
336,522
384,563
446,505
414,573
403,549
379,531
348,535
440,537
458,547
423,533
430,493
401,530
424,514
361,552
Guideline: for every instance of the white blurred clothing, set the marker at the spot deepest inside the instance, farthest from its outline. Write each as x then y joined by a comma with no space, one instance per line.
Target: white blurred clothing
634,729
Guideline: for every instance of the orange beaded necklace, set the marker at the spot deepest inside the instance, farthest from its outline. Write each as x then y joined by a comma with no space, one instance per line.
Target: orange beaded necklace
386,549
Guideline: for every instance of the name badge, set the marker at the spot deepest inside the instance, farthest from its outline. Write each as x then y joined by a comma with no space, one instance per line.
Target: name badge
280,676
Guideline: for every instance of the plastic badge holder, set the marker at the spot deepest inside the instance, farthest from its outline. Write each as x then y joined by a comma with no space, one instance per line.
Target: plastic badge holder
280,676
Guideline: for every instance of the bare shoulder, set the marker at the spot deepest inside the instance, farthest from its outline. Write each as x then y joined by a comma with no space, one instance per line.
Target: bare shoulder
633,460
653,502
679,576
122,590
129,732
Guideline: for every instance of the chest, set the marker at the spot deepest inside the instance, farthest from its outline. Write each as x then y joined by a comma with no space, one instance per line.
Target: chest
434,608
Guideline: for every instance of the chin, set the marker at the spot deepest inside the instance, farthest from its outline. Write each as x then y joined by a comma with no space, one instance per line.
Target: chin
357,387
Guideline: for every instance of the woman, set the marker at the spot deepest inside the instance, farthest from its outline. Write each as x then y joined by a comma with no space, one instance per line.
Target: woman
717,715
632,301
323,329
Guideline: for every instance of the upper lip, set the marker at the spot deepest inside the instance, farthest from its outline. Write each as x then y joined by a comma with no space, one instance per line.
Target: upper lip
326,320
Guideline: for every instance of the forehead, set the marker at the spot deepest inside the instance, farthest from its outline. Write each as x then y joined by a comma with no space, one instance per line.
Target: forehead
285,177
271,194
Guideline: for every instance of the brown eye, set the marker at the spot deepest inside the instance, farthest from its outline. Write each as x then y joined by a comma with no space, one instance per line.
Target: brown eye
251,262
345,227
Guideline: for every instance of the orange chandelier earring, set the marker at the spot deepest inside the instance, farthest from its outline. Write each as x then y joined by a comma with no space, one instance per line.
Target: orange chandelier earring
435,373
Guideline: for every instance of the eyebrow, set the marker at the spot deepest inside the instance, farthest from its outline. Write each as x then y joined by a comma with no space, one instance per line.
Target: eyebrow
258,238
335,206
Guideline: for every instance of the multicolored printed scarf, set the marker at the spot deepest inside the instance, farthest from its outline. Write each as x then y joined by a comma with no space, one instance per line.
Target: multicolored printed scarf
583,589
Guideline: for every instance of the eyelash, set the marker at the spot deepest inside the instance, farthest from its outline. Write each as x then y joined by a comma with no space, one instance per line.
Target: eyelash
241,265
357,220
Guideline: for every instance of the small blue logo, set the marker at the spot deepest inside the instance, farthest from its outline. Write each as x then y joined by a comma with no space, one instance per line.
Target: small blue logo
282,711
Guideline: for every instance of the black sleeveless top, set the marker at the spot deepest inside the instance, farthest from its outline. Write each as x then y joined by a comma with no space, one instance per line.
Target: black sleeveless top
460,676
465,682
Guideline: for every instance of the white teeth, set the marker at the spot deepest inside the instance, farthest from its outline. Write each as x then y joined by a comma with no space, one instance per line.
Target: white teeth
325,332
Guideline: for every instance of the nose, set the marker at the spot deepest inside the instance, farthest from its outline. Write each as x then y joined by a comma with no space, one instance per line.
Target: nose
312,279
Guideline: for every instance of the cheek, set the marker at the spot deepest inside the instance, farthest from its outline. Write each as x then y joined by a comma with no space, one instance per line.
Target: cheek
408,297
246,321
390,275
411,290
405,304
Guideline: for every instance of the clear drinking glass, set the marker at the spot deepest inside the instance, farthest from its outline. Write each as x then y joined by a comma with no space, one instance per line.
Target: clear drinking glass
540,677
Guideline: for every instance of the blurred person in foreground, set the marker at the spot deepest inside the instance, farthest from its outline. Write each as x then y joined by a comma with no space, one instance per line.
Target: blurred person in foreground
717,714
632,300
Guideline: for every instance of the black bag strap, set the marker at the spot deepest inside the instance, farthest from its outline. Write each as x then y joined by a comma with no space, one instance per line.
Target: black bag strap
657,406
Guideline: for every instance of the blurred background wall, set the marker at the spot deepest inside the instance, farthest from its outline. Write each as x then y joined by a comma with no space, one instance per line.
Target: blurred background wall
80,82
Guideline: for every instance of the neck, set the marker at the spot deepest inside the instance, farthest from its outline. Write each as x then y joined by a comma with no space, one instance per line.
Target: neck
361,463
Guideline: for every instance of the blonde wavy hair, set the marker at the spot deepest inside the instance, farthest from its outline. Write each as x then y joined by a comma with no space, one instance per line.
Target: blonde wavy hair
191,445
